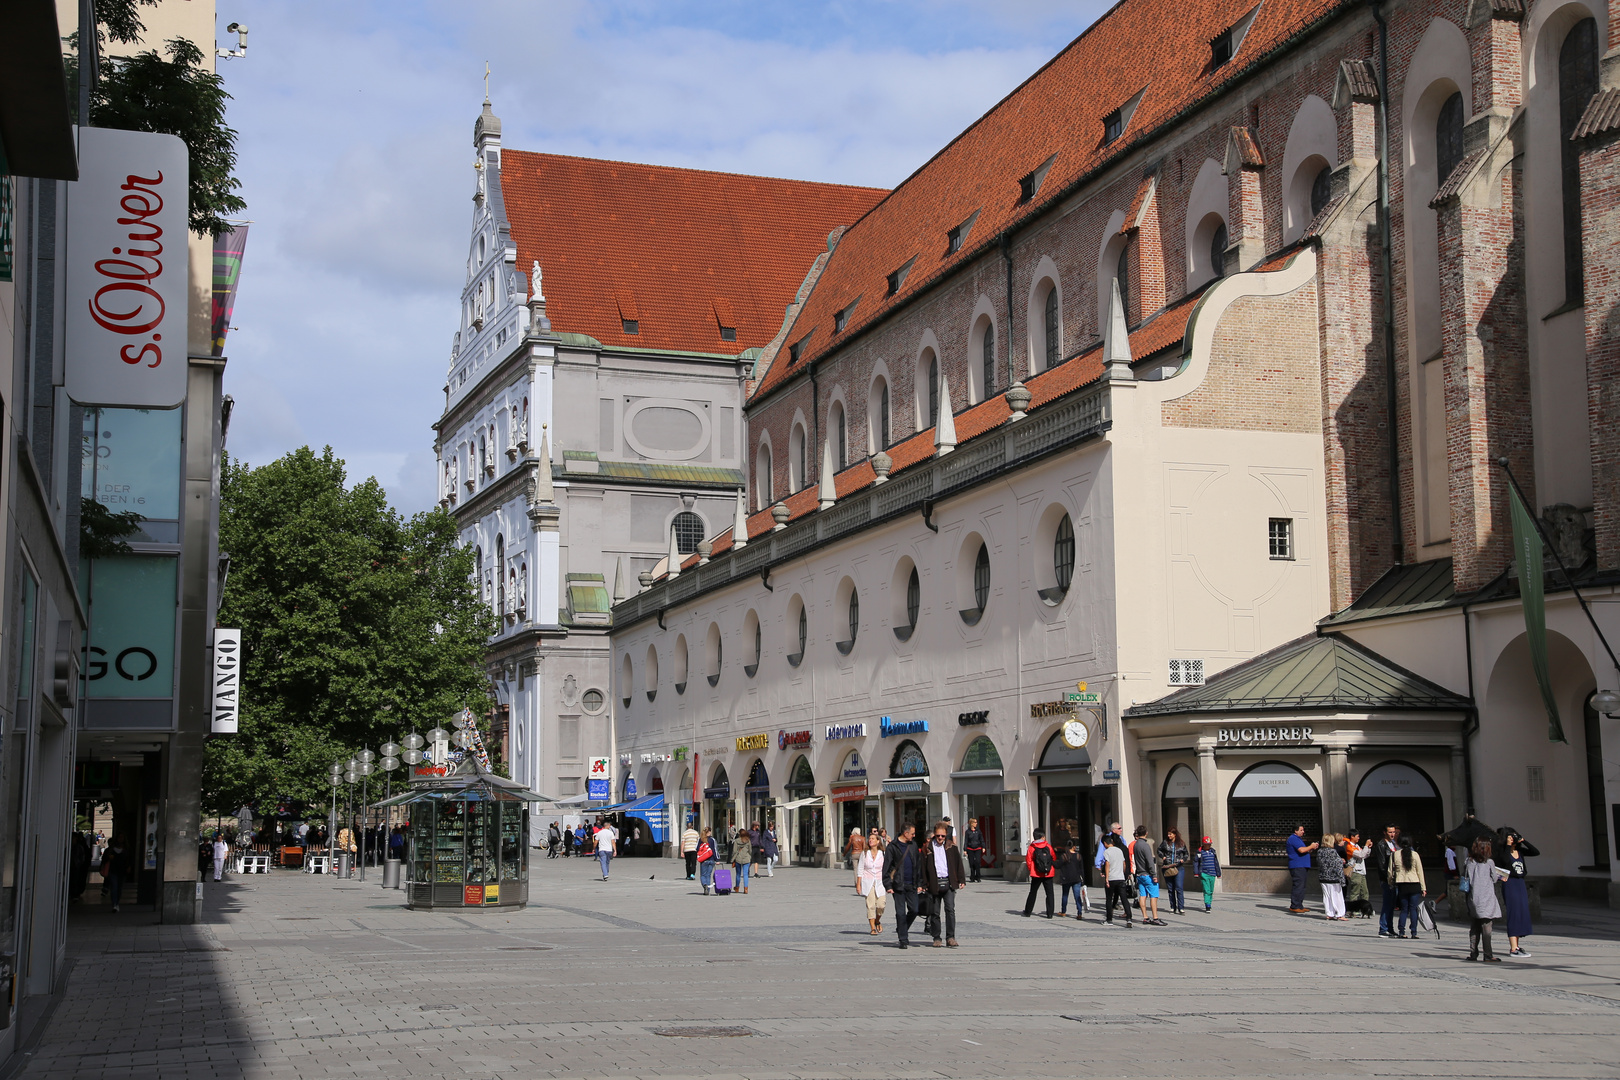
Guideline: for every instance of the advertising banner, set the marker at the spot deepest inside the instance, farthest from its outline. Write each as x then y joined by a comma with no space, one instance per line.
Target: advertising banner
227,680
228,247
127,270
599,784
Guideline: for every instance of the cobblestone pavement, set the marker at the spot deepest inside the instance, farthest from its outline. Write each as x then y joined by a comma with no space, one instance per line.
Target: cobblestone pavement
298,976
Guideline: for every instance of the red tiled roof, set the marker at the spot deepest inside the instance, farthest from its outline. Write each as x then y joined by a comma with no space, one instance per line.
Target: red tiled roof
678,250
1060,109
1155,335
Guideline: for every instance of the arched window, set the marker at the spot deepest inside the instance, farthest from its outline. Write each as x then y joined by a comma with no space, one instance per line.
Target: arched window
854,615
1051,327
980,587
1577,82
838,452
688,532
1122,274
933,391
883,415
981,756
1063,553
751,659
500,575
913,598
763,478
1181,809
1448,138
478,574
801,633
1321,190
989,347
712,654
797,459
1266,804
877,416
1400,793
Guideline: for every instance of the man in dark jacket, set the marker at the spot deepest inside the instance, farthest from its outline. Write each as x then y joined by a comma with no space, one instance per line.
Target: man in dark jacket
1378,860
903,878
942,876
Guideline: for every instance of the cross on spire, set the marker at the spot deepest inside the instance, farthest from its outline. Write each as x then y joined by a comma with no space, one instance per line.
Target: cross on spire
486,82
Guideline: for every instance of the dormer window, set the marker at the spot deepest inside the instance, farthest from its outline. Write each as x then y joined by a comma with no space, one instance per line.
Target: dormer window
728,333
631,326
1113,126
1224,47
841,319
1115,123
1030,185
898,277
796,350
629,316
724,318
958,236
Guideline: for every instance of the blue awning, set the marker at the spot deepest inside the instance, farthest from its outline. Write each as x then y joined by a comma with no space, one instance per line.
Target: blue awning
650,809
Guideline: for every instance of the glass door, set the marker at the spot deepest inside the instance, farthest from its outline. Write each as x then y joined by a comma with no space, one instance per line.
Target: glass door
987,809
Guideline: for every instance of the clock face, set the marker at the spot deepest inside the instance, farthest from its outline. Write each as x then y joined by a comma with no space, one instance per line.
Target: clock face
1075,733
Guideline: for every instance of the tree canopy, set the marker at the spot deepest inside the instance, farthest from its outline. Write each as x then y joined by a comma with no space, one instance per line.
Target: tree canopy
358,626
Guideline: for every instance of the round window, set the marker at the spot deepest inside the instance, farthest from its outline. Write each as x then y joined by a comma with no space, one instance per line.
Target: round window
592,701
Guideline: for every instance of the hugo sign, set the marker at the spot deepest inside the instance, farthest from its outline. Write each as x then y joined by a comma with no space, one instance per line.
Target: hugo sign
127,270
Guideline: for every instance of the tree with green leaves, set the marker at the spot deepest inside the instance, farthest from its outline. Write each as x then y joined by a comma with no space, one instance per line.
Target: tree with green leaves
358,626
174,95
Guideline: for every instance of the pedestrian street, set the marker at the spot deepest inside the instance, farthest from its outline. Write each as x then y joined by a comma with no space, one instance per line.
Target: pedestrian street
298,976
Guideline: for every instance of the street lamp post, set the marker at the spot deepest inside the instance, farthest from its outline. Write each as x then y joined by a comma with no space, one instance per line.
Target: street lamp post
368,760
336,775
351,776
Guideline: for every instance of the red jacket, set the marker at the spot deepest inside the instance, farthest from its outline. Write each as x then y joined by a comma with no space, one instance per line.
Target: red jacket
1029,859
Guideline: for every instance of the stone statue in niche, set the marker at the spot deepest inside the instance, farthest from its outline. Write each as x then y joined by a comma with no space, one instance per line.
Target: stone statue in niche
523,432
523,588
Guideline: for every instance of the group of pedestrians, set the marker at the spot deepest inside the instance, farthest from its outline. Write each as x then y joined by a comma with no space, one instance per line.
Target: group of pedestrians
1137,872
733,858
922,881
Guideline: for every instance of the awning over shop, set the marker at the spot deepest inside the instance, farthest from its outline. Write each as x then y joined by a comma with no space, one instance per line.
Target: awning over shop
651,809
794,804
468,782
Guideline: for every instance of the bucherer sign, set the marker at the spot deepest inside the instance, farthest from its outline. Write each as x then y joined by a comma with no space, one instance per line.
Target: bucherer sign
128,270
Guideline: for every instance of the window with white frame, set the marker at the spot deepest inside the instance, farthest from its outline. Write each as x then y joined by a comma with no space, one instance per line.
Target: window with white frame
1281,538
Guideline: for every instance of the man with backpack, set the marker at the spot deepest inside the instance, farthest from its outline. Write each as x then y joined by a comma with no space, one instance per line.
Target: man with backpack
1042,869
904,882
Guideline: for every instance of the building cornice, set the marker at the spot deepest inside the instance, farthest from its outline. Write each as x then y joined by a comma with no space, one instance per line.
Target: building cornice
1084,416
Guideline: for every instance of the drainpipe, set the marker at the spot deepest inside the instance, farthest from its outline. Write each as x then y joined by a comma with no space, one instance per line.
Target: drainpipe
1471,726
1387,260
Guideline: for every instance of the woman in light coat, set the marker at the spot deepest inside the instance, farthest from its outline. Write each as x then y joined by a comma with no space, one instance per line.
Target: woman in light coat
869,883
1481,876
1406,874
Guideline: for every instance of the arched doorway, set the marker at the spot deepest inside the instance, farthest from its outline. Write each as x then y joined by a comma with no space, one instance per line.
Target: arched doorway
810,822
978,784
1067,807
718,796
655,783
1266,804
1182,793
758,793
1401,794
848,793
910,808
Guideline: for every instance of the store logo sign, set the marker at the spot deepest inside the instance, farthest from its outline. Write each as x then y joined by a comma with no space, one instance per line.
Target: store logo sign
761,741
889,727
845,731
227,680
1250,736
967,719
785,739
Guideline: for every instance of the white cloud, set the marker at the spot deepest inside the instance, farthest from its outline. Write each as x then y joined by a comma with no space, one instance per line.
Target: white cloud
355,150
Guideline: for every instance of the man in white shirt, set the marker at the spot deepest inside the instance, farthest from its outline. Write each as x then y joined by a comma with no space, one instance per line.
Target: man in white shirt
607,846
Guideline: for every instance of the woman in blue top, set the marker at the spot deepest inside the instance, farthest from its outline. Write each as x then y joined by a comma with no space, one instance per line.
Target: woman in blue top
1208,866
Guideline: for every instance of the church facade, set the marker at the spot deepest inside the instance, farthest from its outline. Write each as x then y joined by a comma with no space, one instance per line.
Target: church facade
610,321
1198,371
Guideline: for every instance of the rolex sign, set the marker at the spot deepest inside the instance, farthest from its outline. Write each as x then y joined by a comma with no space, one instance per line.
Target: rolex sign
227,680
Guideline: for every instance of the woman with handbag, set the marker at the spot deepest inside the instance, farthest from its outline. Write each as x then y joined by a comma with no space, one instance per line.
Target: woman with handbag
1406,874
1172,867
1516,889
705,861
1479,880
869,883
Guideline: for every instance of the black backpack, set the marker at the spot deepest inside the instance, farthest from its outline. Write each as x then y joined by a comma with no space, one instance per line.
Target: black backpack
1041,855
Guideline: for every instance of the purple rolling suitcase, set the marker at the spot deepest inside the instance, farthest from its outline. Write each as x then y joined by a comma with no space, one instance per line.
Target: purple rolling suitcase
722,880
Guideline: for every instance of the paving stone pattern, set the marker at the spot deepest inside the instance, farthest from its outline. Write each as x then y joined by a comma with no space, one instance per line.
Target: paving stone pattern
292,976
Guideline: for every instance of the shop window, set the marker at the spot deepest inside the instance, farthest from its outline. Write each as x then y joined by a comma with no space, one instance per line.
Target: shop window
1401,794
1181,797
1267,803
1060,756
981,756
758,788
908,762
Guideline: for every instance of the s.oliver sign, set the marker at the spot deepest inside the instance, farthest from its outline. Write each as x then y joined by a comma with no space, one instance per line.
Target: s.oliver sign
127,270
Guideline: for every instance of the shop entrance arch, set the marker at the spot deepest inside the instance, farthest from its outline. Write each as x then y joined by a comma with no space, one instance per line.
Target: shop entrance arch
718,797
979,785
758,793
854,806
810,821
1266,803
1071,809
1182,793
1401,794
909,780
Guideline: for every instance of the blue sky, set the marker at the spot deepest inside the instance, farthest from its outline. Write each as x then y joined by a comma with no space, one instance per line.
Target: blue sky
355,154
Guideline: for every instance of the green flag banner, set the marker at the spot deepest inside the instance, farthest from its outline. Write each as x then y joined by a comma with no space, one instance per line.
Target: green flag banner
1527,552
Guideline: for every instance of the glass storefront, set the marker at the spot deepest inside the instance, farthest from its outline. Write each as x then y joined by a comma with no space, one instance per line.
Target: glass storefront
1182,793
1401,794
1266,804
